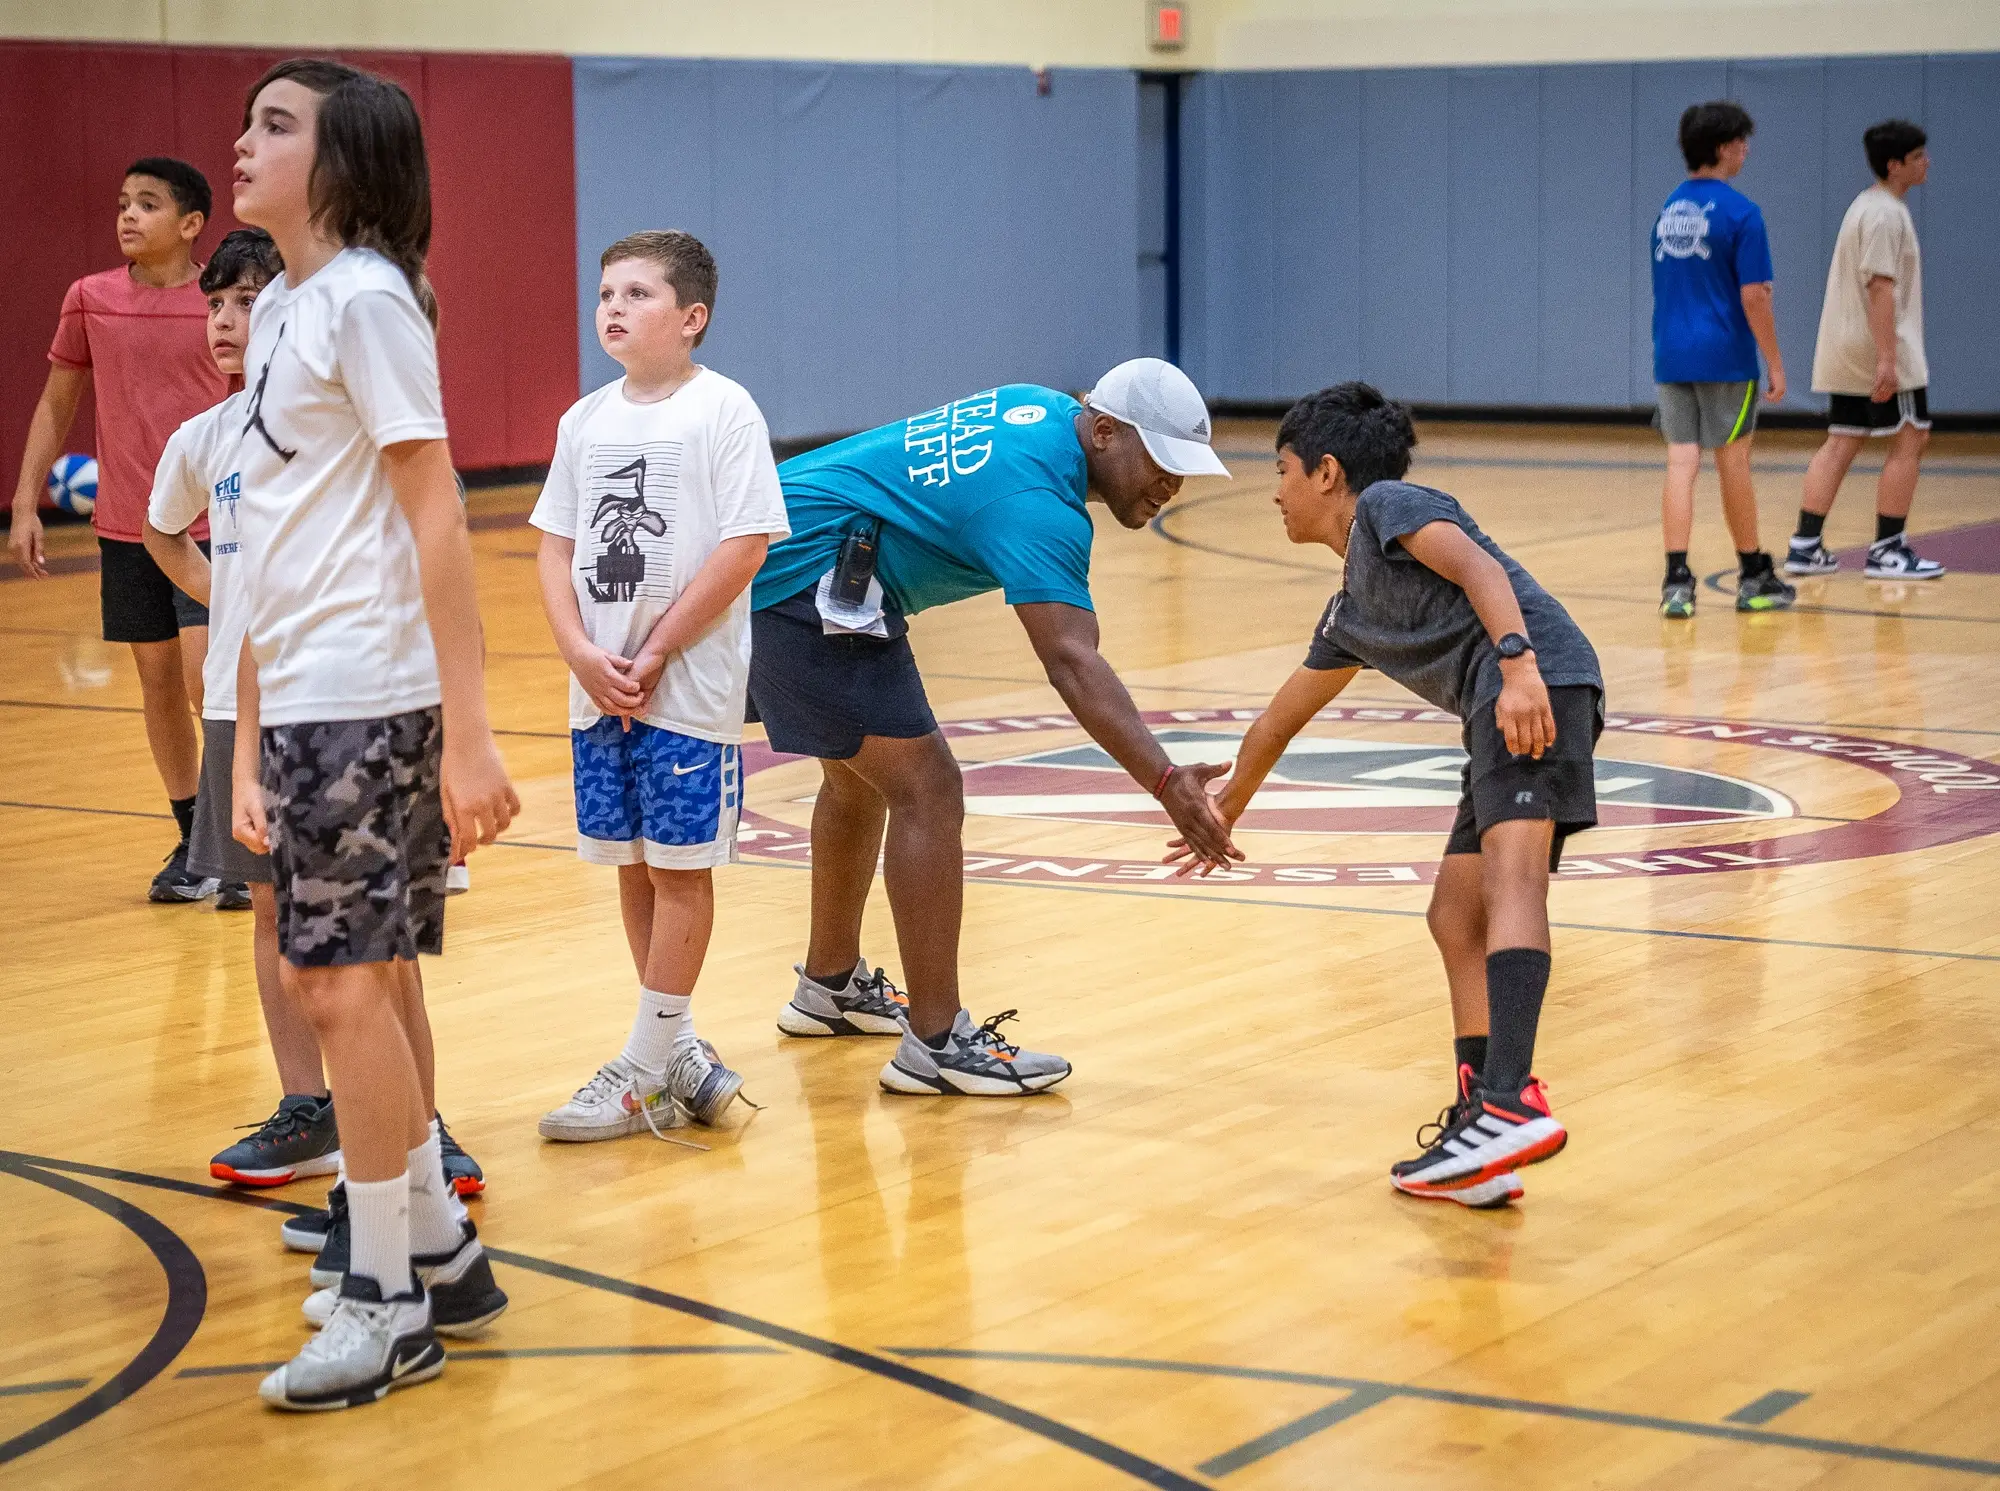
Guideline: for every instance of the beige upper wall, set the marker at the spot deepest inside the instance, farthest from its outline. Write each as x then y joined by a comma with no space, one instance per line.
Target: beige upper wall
1077,33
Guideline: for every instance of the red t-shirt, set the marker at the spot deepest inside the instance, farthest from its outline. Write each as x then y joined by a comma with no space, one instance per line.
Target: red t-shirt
147,352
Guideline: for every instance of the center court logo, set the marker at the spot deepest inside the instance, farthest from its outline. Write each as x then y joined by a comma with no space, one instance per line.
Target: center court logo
1682,232
1330,785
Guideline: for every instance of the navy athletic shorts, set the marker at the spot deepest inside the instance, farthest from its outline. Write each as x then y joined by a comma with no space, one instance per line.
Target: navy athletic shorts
822,696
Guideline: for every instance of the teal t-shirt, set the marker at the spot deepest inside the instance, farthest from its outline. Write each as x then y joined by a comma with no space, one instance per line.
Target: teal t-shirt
986,493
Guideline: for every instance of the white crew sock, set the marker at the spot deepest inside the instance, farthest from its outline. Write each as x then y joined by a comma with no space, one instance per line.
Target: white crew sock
661,1024
380,1212
435,1211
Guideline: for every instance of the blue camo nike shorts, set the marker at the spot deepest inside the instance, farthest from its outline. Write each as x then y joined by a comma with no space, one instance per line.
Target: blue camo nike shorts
359,845
650,796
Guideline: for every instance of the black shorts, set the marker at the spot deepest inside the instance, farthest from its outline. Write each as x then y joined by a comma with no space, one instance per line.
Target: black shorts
822,696
1497,786
359,846
1857,414
139,602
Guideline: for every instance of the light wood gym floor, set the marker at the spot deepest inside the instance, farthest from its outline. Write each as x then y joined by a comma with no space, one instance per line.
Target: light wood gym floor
1766,1260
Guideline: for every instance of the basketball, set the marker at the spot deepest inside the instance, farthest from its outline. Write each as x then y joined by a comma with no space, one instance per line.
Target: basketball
73,484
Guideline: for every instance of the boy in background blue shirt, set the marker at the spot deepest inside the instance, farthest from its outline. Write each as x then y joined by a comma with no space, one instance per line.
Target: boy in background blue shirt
1711,313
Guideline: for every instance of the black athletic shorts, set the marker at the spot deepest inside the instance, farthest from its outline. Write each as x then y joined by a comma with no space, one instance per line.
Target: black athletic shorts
1857,414
139,602
1498,787
821,696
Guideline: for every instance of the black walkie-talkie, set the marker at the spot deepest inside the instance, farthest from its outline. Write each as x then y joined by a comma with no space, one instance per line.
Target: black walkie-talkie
857,564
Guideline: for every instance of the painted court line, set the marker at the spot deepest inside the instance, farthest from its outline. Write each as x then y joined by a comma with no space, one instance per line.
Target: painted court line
1766,1408
1741,1434
60,1385
499,1354
1285,1435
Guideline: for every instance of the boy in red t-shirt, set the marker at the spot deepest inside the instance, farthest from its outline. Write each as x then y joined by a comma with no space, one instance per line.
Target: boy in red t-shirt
136,336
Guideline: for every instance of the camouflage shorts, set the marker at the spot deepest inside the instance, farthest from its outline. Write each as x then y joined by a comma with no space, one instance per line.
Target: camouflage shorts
359,846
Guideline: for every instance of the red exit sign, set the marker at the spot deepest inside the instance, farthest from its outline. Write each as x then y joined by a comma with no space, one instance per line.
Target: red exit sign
1168,31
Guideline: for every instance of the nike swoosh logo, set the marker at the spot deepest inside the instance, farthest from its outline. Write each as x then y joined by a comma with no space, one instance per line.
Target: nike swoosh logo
681,771
404,1365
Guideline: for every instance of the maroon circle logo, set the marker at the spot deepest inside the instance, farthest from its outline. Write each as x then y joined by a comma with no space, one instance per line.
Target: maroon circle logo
1754,801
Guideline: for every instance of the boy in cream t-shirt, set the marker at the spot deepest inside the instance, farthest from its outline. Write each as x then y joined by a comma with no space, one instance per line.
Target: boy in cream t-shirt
659,506
1870,360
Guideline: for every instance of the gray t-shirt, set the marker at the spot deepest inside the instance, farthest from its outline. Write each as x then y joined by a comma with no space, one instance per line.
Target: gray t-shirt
1410,623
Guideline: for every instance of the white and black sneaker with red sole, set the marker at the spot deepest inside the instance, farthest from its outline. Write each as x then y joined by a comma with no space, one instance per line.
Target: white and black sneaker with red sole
975,1062
368,1347
1490,1136
867,1004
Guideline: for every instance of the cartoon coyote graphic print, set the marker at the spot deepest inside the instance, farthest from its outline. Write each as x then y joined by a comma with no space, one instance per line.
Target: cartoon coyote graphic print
620,517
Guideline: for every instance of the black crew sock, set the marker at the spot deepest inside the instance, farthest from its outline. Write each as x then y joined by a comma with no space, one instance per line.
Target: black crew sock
1677,565
1469,1050
1516,979
1811,526
183,815
1752,564
832,980
937,1042
1887,527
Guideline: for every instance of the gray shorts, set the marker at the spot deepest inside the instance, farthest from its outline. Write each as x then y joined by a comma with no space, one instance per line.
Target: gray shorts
359,846
212,849
1706,414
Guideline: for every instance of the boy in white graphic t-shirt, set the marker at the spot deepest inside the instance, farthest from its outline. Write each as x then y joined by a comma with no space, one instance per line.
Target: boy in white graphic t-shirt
659,506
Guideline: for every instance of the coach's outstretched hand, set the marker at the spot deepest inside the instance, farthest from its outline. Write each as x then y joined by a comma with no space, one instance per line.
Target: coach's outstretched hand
1204,840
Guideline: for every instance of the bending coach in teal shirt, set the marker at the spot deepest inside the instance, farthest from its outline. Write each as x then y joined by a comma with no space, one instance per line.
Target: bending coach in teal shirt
986,493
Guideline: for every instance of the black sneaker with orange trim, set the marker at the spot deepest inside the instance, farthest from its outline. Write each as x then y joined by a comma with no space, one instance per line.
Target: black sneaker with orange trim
461,1170
1482,1141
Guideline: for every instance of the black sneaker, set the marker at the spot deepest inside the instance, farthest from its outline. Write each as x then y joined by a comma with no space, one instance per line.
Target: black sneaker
464,1297
1490,1135
460,1168
176,883
331,1263
300,1139
1811,558
232,895
307,1233
1677,599
1764,591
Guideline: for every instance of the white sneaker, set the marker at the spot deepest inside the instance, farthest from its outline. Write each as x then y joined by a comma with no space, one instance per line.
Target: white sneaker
700,1085
975,1062
867,1004
368,1346
619,1100
1814,559
1894,559
458,880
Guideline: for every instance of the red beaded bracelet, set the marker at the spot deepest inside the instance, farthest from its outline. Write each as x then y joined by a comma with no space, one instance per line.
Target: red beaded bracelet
1161,785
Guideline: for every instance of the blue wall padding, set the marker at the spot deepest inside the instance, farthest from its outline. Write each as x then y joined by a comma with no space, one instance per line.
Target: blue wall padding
1479,235
888,237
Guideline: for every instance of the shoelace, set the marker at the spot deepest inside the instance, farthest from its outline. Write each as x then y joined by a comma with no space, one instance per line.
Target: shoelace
1443,1124
988,1034
344,1328
878,988
283,1124
690,1065
448,1147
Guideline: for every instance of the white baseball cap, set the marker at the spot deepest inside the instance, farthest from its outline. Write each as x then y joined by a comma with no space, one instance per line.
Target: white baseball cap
1161,402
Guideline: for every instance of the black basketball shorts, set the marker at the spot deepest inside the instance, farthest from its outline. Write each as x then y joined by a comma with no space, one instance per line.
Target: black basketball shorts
1497,786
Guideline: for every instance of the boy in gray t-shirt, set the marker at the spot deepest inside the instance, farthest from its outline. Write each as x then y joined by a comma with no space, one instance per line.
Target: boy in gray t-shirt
1431,602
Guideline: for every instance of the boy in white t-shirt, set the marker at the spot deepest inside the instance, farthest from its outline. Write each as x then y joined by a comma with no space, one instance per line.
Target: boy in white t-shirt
659,506
197,477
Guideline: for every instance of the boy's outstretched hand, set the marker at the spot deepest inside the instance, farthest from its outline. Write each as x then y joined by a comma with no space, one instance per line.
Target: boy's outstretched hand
1526,721
1185,851
1204,833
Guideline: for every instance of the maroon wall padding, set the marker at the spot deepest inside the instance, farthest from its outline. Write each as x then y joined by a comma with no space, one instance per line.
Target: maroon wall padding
500,132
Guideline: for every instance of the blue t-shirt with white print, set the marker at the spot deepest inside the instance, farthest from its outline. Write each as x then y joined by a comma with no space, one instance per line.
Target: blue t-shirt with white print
1708,243
984,493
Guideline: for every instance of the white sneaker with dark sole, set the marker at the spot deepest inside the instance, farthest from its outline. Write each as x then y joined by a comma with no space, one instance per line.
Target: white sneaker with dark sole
867,1004
1894,559
368,1347
975,1062
464,1297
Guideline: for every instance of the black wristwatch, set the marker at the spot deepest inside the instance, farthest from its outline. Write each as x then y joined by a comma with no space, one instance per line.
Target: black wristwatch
1513,645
